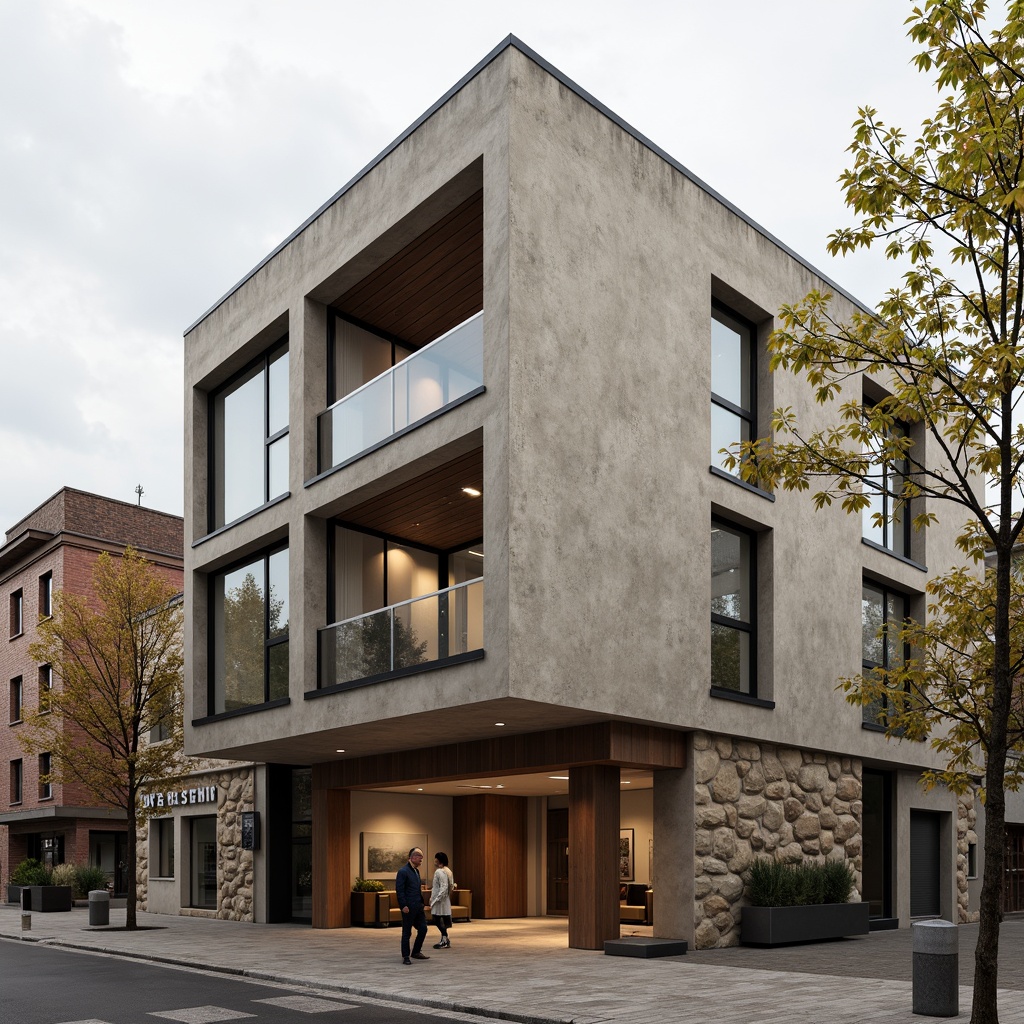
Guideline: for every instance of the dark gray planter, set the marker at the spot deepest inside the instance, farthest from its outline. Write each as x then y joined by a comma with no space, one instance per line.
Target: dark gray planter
14,894
50,898
781,926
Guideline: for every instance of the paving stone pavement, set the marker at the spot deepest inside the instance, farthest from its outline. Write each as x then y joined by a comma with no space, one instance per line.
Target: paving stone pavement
521,970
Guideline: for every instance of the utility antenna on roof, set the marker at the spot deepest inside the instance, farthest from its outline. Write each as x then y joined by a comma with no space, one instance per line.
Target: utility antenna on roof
140,492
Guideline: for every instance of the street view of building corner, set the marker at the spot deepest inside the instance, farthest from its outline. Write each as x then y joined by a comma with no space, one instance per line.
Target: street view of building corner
548,516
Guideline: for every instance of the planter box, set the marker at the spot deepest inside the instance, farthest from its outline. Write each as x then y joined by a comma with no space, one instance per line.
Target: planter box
780,926
50,898
364,909
14,894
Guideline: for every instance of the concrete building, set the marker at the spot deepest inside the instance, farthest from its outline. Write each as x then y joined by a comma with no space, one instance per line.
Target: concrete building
516,342
54,548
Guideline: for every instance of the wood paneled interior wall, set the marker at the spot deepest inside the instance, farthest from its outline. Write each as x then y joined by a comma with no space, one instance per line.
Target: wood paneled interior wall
490,852
332,876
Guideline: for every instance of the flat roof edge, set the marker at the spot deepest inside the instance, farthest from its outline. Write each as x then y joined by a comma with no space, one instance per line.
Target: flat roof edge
513,41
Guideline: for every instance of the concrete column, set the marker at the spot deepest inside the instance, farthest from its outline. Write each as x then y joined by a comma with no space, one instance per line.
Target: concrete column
593,856
673,852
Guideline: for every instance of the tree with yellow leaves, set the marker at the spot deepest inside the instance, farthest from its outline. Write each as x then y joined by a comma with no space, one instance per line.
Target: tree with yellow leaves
117,666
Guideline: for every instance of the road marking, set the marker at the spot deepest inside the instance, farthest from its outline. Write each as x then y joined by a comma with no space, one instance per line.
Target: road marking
306,1004
201,1014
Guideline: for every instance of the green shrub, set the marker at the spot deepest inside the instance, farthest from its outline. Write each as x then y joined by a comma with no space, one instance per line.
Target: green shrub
368,885
89,879
65,874
772,884
30,872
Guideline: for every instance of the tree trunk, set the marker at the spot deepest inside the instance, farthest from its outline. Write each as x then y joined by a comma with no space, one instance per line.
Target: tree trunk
130,920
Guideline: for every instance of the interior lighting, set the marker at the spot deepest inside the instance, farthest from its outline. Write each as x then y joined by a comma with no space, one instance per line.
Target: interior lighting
472,492
624,782
341,751
564,778
499,724
419,789
479,554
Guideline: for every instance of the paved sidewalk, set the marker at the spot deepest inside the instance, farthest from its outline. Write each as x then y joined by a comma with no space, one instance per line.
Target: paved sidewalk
521,970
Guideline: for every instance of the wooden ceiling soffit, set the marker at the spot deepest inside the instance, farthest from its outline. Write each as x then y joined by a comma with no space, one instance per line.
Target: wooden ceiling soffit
430,286
619,743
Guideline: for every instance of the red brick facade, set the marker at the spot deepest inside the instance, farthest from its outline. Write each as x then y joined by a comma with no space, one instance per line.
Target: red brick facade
63,537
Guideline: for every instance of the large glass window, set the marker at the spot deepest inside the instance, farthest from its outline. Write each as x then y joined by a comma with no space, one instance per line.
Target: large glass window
249,606
732,609
732,381
883,613
882,487
302,844
249,430
203,881
162,847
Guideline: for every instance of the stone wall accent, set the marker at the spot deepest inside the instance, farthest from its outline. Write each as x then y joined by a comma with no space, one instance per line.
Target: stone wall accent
234,865
966,822
758,799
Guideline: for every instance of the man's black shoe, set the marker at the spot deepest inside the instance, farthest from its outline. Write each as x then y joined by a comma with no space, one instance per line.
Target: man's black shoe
406,961
420,956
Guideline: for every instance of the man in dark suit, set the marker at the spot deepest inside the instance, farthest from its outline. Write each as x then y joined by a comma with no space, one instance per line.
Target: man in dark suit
409,887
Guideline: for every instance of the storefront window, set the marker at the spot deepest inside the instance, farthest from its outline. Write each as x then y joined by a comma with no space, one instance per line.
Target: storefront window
203,889
163,851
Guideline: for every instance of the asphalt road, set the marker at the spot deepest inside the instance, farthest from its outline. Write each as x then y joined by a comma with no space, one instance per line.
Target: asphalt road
43,985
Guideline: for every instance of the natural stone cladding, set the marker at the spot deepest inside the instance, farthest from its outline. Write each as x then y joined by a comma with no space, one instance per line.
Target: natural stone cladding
966,823
234,865
759,799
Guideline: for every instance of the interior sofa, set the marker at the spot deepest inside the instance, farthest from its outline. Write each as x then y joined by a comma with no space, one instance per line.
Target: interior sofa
462,906
636,904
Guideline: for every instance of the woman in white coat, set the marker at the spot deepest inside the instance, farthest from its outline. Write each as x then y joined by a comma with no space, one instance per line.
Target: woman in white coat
441,898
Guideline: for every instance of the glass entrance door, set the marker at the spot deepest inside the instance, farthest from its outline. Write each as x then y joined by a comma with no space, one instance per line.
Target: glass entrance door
876,874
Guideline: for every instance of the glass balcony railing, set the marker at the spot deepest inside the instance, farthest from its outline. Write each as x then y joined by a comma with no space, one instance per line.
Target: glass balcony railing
439,373
415,632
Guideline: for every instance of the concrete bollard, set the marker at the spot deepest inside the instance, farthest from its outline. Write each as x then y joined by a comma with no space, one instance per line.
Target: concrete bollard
99,907
936,969
26,922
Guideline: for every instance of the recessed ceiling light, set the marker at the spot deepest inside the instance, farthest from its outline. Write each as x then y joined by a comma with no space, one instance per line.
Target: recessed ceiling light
479,554
563,778
499,724
472,492
341,751
499,786
419,789
624,782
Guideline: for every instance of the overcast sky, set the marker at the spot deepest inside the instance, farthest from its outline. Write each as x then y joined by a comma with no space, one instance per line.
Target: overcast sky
151,154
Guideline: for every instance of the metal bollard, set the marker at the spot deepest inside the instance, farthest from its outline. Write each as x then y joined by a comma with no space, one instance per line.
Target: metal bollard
936,969
99,907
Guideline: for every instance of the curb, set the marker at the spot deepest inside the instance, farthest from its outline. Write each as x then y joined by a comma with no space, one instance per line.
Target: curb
284,979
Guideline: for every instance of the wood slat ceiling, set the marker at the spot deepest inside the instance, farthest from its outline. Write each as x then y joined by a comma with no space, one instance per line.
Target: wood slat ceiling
431,285
431,509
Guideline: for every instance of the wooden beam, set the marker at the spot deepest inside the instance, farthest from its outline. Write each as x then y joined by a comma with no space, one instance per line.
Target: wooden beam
332,876
593,856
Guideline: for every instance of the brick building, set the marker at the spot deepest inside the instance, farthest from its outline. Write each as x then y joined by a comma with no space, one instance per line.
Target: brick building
54,548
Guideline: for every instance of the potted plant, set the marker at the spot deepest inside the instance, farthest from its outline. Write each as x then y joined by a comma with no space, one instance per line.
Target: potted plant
27,874
364,901
800,903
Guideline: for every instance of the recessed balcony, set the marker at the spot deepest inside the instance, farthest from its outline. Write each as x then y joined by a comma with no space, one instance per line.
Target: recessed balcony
431,629
420,387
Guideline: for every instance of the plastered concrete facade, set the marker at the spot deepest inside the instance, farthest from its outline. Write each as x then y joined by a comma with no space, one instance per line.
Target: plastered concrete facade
601,258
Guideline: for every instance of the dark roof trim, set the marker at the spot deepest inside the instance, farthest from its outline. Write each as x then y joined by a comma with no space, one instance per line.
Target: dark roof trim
22,545
584,95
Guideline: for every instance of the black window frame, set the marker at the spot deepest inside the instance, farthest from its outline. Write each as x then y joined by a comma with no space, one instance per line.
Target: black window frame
45,767
44,687
748,415
748,627
871,713
17,792
17,613
887,471
17,698
269,355
46,595
268,642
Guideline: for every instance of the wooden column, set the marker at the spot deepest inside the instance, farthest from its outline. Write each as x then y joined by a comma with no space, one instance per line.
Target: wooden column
332,875
490,853
593,856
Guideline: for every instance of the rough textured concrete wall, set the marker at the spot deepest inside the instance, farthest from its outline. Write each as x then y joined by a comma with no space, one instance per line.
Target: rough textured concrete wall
765,800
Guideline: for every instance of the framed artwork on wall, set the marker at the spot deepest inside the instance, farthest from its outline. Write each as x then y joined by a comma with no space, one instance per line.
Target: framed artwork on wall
626,871
381,854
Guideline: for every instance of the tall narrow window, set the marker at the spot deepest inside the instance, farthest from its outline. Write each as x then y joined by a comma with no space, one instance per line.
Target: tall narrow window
45,786
883,613
249,432
732,609
203,887
16,781
45,686
46,595
17,697
17,613
249,605
162,847
732,381
882,487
